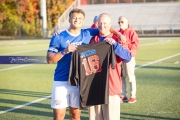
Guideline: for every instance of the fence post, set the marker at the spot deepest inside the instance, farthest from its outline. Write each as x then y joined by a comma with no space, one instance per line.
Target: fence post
157,31
172,30
79,3
142,29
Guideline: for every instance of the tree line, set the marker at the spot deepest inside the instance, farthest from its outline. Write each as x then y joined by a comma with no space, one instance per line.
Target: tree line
22,17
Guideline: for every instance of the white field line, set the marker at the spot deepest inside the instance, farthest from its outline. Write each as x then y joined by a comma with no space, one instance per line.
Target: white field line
41,99
26,104
150,63
17,45
155,43
14,67
47,48
23,52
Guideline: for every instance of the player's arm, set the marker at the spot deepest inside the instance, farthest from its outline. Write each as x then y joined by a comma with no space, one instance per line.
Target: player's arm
53,57
119,50
121,37
55,52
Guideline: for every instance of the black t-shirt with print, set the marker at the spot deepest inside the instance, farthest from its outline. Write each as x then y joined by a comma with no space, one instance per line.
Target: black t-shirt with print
89,69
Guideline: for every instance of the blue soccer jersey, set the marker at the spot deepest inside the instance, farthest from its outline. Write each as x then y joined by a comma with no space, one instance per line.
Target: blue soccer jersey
59,42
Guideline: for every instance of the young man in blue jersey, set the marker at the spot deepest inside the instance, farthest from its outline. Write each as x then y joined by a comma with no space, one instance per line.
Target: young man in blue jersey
60,50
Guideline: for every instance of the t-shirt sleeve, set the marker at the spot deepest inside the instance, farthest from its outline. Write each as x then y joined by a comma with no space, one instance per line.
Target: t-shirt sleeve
54,44
74,70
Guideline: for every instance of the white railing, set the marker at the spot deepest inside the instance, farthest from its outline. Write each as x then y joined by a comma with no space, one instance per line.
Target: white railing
138,27
157,27
124,1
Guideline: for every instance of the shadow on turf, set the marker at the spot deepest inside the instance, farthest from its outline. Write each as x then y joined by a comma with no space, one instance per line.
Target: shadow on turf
44,109
45,112
24,93
161,67
19,102
144,117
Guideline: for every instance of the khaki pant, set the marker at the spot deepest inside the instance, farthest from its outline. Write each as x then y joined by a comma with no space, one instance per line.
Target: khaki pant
109,111
132,79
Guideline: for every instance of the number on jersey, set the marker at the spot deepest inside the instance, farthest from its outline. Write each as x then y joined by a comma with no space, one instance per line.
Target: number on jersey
91,64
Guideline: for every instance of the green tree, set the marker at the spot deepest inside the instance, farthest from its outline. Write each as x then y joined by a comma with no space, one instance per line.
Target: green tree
18,16
8,19
22,17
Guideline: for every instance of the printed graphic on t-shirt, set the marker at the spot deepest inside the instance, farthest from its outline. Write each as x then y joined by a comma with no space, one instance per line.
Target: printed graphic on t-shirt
90,61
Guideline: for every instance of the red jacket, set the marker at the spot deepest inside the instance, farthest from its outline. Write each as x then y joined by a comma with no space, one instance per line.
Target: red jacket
115,81
132,40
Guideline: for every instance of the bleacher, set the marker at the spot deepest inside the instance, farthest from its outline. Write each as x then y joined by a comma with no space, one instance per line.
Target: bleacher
146,18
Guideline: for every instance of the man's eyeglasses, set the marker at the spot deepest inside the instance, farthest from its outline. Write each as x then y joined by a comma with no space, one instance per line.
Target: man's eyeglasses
121,22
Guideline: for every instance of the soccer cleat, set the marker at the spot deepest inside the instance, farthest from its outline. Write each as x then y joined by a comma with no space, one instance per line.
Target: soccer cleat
124,99
132,100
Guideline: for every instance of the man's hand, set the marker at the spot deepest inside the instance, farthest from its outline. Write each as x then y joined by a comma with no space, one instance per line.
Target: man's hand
110,41
122,38
55,57
70,48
